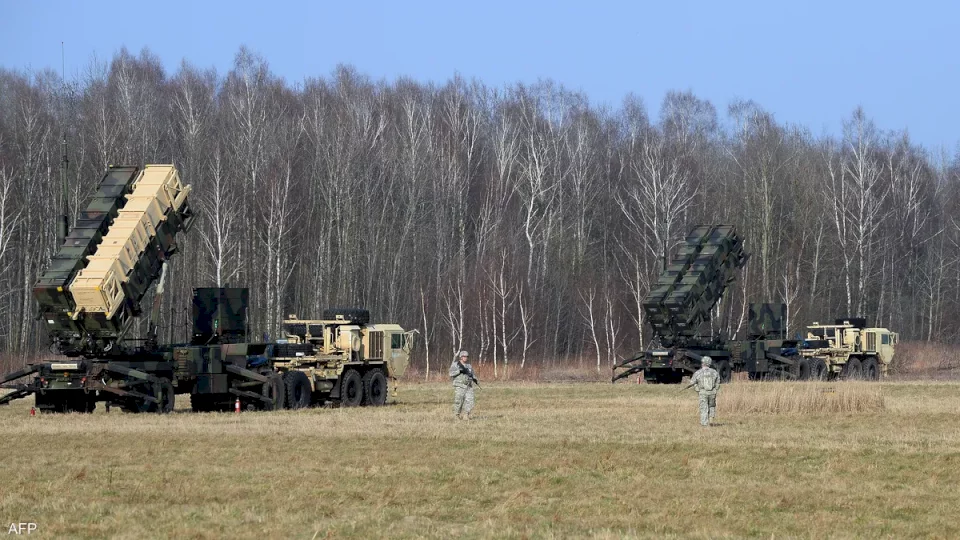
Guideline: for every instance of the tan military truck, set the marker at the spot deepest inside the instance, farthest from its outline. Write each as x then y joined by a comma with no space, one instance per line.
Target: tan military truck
848,349
341,358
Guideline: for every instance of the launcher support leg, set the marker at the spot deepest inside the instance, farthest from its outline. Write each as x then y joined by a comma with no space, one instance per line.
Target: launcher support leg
21,373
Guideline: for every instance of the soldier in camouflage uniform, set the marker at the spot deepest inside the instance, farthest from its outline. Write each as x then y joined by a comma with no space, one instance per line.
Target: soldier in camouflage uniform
706,381
462,374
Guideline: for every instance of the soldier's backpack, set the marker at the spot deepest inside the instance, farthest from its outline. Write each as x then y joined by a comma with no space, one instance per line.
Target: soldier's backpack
709,380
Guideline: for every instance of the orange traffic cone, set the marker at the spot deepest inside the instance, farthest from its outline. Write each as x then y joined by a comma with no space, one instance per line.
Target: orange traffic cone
236,406
33,411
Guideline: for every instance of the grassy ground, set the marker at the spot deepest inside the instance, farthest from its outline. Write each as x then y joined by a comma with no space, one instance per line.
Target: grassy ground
539,460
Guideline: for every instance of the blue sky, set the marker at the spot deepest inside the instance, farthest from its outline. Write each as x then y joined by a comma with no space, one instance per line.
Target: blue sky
807,62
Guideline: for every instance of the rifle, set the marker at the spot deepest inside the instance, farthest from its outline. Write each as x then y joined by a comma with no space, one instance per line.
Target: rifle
687,386
465,371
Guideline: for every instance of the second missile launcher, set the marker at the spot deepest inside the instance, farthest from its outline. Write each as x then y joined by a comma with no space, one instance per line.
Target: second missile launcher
680,302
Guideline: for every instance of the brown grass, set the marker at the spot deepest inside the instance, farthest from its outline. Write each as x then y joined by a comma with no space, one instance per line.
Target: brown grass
802,398
533,372
539,460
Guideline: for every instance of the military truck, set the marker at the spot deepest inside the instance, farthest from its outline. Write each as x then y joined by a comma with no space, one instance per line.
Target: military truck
91,295
340,358
848,349
680,303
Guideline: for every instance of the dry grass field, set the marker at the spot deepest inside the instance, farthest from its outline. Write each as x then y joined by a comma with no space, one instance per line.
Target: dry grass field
539,460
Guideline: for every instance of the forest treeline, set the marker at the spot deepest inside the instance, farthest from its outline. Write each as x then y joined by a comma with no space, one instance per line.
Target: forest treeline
521,222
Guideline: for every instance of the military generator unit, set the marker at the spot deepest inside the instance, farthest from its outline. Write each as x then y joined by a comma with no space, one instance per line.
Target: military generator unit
680,303
90,297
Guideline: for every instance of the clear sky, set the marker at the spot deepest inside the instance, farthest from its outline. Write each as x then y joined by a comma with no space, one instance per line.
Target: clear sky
807,61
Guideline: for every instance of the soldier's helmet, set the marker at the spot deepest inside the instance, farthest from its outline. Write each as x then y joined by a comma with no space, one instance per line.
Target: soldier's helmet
706,361
462,354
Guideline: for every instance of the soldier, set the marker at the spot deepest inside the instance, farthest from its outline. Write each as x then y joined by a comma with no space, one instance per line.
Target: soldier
463,378
706,381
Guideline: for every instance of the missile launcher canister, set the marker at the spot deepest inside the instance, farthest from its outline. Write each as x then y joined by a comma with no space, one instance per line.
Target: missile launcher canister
681,299
92,290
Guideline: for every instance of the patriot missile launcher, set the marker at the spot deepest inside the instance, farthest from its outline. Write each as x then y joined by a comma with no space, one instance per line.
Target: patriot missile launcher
90,294
679,304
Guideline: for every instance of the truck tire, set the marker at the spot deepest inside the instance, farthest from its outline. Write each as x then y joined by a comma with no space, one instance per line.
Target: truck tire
274,390
871,370
723,368
136,405
805,372
374,388
298,389
853,369
351,388
818,369
351,315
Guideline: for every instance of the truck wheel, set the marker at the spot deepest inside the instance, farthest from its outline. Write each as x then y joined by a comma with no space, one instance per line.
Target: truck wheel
136,405
274,390
374,388
853,369
166,395
351,388
871,371
818,369
805,369
298,389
